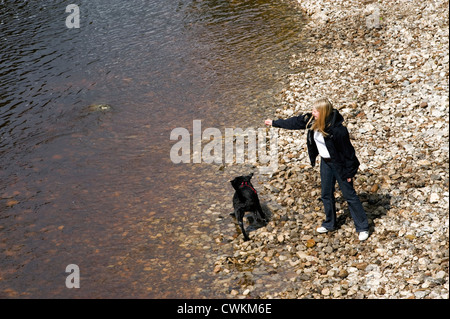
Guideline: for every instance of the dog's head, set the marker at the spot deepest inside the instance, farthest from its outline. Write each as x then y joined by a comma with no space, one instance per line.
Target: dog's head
237,181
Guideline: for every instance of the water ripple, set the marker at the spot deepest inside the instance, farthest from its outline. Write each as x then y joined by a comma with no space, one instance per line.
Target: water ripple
98,186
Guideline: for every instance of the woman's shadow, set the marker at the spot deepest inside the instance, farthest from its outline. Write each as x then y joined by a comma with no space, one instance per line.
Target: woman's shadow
375,205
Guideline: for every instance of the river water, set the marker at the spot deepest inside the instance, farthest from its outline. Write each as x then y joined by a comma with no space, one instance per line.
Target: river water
97,188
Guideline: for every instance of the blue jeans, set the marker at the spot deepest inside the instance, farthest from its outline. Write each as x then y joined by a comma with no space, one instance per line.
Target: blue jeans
329,176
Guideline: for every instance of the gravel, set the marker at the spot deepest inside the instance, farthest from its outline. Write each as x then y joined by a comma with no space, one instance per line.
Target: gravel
384,65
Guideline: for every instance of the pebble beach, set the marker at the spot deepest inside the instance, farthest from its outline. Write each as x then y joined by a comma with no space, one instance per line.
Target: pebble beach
384,65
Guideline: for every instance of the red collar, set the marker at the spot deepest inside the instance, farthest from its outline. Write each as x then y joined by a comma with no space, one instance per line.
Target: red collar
248,185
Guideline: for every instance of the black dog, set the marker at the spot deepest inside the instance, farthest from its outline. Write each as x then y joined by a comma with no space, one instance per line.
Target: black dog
245,199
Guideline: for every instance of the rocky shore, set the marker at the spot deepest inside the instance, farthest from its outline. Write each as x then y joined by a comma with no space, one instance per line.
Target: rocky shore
384,65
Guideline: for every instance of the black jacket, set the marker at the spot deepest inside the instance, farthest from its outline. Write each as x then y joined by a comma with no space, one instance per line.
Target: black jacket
338,143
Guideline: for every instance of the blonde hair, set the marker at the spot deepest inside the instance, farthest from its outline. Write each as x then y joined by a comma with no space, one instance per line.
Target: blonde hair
324,107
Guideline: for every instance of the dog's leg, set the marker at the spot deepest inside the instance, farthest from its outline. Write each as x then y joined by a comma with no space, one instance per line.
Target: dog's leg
240,218
261,213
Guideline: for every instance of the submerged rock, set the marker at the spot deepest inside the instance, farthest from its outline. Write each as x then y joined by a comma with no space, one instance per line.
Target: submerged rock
99,107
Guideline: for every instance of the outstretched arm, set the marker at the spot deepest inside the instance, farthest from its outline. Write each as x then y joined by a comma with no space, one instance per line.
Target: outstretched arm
293,123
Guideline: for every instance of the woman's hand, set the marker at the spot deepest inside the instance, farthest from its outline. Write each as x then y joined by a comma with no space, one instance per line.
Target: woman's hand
268,122
349,180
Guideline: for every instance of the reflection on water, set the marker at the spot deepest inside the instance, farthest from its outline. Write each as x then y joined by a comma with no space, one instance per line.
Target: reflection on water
97,188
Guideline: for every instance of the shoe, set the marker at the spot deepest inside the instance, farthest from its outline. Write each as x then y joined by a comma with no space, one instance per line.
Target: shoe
363,235
322,230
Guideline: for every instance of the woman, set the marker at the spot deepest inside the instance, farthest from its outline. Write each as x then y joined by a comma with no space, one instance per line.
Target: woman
328,138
